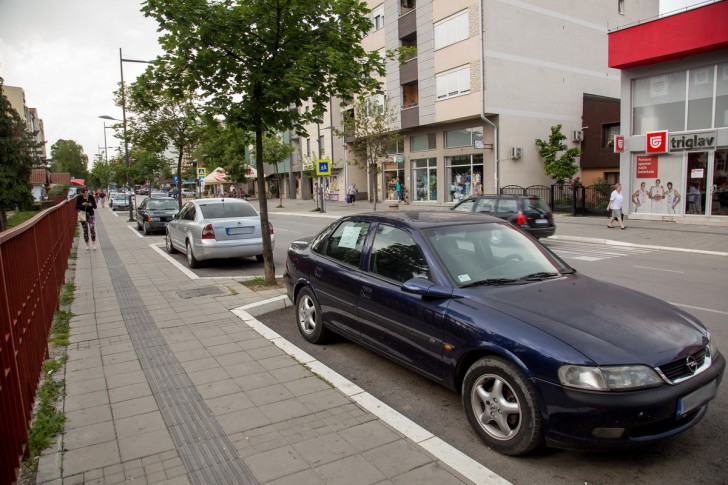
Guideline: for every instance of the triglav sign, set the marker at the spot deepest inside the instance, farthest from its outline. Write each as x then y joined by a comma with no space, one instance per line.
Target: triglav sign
693,141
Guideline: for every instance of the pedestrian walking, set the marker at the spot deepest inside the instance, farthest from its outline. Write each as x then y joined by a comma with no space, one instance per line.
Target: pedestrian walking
102,197
615,205
85,205
398,188
352,193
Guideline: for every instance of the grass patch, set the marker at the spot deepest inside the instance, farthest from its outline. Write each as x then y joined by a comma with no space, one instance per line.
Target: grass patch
258,284
67,294
232,291
60,329
73,255
48,421
20,217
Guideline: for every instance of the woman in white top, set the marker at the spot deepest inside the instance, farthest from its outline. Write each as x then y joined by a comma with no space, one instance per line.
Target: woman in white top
615,205
640,198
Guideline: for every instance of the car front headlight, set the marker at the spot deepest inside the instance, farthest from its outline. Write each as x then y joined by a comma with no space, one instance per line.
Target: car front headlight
612,378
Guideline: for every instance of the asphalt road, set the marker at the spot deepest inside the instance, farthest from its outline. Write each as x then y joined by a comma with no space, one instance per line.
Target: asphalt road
696,456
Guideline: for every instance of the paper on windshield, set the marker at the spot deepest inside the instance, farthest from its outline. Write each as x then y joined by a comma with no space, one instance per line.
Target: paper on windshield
349,237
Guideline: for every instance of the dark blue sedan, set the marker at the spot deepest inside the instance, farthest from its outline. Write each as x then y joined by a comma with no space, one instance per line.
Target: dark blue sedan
539,352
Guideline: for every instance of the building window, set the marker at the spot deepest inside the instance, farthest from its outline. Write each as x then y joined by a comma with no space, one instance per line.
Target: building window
721,99
424,179
464,174
620,7
451,30
609,131
453,83
422,143
377,18
321,148
658,103
308,147
397,146
463,138
700,98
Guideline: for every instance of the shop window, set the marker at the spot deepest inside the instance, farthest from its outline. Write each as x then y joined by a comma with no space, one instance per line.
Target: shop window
463,138
451,30
421,143
424,179
452,83
464,176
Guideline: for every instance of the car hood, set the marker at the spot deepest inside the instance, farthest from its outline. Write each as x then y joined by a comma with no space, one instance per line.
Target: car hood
608,324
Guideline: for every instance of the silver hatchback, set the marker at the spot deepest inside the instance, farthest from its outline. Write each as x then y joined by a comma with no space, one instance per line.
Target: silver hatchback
216,228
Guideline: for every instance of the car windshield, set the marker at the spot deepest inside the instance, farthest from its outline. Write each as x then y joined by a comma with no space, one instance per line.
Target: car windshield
223,210
120,197
492,254
161,205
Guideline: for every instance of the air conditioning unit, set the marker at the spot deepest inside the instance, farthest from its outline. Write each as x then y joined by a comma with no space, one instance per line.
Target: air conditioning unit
516,152
577,136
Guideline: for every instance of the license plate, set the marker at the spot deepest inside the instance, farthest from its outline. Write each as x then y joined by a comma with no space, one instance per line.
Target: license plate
696,398
542,221
236,231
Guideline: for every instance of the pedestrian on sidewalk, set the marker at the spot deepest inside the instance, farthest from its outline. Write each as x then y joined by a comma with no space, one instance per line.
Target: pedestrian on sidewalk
85,205
352,193
615,205
102,197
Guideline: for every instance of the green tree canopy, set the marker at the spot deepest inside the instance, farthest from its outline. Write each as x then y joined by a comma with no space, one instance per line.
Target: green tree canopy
558,167
17,146
68,157
257,61
225,146
276,151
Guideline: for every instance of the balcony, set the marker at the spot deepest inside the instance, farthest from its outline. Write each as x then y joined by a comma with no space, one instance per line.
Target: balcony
407,24
408,72
410,117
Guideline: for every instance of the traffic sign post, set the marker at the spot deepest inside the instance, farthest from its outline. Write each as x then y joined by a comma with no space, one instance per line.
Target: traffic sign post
323,167
202,172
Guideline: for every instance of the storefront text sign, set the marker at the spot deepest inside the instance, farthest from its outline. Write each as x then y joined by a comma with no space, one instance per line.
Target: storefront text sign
692,141
696,173
618,144
657,142
646,167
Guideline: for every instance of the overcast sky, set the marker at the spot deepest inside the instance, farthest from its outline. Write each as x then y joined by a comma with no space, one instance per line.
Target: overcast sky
65,56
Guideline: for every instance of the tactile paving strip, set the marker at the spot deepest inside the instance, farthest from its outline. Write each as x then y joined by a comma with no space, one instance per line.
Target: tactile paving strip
205,449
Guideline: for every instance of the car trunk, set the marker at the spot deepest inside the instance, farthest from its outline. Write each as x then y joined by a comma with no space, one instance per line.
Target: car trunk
236,228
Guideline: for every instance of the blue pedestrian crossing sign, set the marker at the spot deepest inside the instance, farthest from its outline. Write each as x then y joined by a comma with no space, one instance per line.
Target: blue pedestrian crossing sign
323,167
176,179
202,172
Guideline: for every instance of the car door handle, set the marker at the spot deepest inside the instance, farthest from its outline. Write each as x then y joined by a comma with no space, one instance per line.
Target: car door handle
365,292
317,272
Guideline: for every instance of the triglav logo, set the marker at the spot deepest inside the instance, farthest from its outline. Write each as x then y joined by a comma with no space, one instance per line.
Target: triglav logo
657,142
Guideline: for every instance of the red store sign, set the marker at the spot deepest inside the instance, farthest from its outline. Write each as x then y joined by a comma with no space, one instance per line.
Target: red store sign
657,142
646,167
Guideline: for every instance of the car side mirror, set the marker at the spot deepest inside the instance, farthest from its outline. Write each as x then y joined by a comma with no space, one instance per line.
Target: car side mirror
425,288
176,216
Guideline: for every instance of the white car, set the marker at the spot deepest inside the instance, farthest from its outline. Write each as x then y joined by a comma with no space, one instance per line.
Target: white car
188,193
216,228
119,202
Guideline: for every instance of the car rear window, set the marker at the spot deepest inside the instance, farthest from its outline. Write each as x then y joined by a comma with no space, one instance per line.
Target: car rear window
222,210
537,203
161,205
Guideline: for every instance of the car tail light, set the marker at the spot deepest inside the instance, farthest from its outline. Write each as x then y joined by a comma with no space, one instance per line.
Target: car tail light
521,221
208,232
149,219
271,227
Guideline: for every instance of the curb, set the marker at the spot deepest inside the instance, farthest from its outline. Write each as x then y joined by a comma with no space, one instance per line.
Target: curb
610,242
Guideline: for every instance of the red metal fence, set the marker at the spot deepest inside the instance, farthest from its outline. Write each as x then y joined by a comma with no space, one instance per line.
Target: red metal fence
33,262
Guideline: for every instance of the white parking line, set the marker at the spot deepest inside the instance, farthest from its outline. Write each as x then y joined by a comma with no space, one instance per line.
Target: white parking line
444,452
698,308
169,258
136,231
658,269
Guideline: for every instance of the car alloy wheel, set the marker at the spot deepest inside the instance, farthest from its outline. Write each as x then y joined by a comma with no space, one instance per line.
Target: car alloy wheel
192,262
502,406
308,316
168,243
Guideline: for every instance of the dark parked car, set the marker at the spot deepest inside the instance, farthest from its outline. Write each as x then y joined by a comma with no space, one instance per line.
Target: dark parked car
528,212
539,352
153,214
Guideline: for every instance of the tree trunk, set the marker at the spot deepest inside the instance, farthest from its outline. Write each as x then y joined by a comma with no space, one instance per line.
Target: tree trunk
3,220
373,175
270,270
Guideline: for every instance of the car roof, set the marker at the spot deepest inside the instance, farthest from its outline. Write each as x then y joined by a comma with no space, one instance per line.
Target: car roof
427,219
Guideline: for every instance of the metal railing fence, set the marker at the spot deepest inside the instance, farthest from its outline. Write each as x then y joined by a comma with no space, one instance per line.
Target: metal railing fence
33,262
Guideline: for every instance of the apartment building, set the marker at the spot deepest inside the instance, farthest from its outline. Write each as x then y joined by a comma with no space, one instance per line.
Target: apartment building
16,96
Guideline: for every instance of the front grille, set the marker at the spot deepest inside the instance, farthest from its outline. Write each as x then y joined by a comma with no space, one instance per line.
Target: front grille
678,369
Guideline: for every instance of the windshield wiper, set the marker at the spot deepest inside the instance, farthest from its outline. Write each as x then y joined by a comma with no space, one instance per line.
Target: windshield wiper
538,276
494,282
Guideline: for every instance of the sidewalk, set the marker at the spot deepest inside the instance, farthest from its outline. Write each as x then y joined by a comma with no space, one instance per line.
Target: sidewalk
166,384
